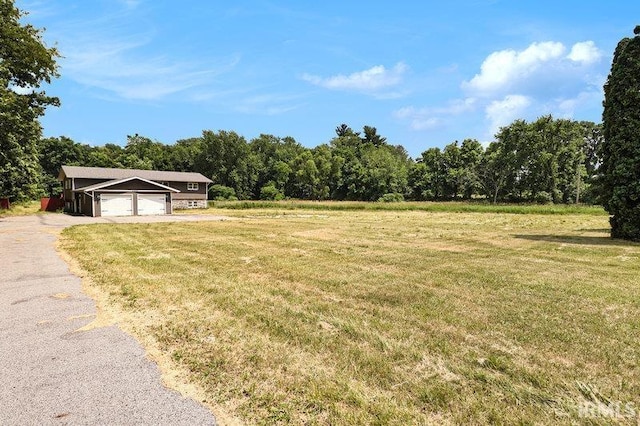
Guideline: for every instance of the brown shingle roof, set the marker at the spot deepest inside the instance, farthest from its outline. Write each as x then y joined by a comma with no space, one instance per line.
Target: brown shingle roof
111,174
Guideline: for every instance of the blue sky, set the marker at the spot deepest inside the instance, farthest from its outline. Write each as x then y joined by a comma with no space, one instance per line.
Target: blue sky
425,73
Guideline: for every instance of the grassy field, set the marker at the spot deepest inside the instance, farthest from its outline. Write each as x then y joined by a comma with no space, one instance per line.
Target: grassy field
22,209
382,317
441,207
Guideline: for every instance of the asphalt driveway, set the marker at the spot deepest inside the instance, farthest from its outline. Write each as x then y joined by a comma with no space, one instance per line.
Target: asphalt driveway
51,372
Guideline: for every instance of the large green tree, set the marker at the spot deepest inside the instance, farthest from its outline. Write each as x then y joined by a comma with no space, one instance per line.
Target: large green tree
621,146
366,168
25,64
226,159
428,176
548,160
55,153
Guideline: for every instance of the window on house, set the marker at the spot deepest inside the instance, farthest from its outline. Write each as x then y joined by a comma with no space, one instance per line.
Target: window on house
192,186
192,204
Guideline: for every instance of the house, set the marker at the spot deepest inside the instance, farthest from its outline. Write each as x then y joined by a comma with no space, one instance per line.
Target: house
97,191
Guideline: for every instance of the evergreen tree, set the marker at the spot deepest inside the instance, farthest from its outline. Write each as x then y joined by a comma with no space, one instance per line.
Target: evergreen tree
621,147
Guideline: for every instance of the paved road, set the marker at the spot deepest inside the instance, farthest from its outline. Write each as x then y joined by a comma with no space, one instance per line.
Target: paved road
53,374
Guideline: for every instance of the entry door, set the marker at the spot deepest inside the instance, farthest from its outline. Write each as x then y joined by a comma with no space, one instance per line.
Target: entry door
116,205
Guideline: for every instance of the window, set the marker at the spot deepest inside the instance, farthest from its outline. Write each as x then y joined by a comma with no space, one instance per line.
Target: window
192,204
192,186
67,184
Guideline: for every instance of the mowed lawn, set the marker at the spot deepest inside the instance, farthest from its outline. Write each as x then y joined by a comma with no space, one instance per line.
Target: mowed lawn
384,317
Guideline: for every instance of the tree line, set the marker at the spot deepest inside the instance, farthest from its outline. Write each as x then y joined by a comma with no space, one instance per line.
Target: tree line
548,160
545,161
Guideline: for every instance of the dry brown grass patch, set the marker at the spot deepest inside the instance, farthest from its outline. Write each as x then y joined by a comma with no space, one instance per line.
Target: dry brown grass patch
376,317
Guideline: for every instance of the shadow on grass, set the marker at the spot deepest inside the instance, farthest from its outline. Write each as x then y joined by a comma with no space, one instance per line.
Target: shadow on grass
604,240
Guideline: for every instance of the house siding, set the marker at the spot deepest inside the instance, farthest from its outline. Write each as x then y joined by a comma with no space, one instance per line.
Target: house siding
83,182
186,194
189,199
132,186
67,194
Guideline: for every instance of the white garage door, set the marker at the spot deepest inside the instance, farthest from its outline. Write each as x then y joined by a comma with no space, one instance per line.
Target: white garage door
149,204
116,205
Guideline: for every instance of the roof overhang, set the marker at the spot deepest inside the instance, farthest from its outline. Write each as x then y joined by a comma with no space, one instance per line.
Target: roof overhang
107,184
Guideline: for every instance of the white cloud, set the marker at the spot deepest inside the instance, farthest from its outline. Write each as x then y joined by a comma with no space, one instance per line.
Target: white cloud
22,90
502,69
543,78
568,107
372,80
541,70
430,118
419,119
585,52
503,112
457,106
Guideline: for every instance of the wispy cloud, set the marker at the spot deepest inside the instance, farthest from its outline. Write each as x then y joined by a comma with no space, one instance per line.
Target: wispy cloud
130,4
268,104
419,118
431,118
374,81
113,54
117,67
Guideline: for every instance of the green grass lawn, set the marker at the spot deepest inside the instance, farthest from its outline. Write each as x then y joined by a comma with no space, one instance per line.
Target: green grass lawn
383,317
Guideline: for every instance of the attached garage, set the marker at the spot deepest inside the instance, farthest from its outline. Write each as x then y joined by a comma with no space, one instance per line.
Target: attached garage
152,204
116,205
125,197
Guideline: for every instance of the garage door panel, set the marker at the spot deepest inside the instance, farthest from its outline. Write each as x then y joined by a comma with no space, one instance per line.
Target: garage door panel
151,204
116,205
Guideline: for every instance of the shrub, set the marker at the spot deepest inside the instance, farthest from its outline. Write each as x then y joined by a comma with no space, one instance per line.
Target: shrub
543,197
391,197
270,192
221,192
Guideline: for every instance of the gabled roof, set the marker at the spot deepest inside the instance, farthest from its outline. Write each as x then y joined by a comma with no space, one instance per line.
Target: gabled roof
109,183
111,174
